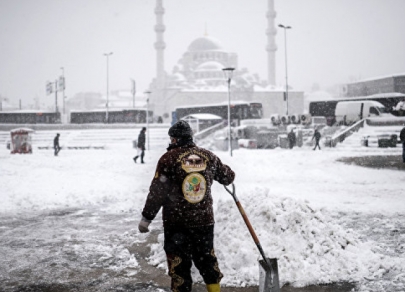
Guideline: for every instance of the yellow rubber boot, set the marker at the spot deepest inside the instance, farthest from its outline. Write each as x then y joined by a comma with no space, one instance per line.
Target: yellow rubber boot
213,288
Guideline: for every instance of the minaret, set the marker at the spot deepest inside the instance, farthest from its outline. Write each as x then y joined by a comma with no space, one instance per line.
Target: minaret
271,47
159,44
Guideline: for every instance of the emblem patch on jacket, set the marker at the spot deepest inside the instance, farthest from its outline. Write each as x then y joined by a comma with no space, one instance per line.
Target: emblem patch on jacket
192,163
194,187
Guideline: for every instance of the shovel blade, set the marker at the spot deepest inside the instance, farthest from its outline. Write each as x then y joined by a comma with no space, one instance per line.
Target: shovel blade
268,279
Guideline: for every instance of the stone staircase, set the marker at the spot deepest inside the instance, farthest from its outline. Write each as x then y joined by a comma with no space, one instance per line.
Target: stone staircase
371,133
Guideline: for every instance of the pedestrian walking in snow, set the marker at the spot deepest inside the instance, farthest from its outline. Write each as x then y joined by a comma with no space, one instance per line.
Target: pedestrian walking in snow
292,139
141,145
402,138
56,146
182,187
317,137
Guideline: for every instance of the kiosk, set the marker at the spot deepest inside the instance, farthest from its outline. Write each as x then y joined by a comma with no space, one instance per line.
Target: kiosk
21,140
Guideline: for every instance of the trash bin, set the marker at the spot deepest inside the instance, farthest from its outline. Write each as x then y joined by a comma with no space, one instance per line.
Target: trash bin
364,141
300,138
283,141
387,140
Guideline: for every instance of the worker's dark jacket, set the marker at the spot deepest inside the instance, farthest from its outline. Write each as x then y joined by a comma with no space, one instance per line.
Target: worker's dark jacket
56,142
141,140
402,135
182,186
317,136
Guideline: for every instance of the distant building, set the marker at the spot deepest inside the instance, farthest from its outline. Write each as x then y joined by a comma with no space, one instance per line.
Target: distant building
198,79
83,101
385,84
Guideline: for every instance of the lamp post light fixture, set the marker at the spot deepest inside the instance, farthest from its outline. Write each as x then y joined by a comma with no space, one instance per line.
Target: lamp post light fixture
106,113
286,74
147,115
228,74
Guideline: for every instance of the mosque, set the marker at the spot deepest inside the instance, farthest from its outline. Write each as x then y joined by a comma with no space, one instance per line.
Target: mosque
198,79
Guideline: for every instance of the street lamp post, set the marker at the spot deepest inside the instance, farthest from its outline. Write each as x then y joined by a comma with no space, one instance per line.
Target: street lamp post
106,113
147,115
228,74
62,85
286,74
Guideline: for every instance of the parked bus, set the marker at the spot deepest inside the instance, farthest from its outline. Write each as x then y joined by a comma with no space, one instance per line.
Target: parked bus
29,117
114,116
240,110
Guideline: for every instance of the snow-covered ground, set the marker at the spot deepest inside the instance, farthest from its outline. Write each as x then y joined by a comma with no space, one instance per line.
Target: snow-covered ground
324,220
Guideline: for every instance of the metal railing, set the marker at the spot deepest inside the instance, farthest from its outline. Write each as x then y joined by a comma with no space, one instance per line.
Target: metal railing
208,131
341,136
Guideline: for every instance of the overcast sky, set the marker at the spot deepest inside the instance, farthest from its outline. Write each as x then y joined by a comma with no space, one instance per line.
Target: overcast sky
331,41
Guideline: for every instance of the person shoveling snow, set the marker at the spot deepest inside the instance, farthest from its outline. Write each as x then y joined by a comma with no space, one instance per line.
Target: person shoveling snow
182,186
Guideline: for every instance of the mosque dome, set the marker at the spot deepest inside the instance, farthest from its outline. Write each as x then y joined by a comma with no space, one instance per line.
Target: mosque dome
205,44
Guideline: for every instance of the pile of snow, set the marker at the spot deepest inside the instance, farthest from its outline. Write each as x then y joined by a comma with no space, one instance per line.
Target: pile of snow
309,246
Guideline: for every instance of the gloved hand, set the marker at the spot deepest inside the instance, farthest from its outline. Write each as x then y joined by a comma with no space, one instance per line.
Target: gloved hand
143,225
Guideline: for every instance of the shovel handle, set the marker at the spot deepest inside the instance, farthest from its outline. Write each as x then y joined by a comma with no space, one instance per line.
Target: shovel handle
247,222
242,212
252,233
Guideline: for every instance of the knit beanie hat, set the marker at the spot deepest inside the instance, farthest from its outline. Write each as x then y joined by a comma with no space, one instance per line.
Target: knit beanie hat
181,129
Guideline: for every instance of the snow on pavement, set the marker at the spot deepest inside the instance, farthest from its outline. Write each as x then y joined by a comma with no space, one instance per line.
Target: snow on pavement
293,199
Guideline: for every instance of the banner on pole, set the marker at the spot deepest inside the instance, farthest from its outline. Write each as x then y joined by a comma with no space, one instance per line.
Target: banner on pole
133,90
61,83
49,87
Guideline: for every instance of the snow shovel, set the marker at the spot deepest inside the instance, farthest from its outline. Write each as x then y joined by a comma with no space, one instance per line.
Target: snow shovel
268,279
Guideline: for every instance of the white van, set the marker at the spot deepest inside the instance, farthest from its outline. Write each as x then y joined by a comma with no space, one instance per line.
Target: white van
349,112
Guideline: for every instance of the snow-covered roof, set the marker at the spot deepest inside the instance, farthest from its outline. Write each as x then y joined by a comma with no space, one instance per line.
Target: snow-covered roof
373,102
318,96
379,77
109,109
386,95
28,111
217,104
203,117
210,66
22,130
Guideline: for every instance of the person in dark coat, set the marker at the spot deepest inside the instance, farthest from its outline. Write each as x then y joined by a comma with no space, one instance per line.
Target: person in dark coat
402,138
141,145
292,138
56,146
182,187
317,137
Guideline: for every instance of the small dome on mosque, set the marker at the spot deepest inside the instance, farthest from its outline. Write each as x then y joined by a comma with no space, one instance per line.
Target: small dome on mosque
205,43
178,77
210,66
